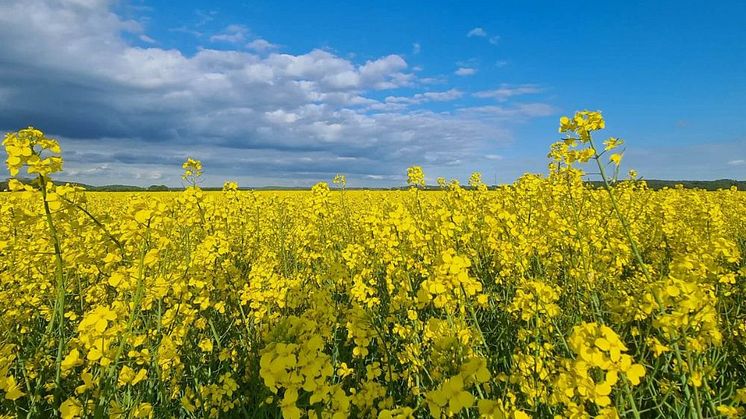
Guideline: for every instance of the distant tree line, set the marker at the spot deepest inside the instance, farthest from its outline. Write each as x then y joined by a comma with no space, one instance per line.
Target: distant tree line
709,185
655,184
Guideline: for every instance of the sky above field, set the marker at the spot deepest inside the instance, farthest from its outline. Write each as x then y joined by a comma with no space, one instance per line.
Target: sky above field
292,92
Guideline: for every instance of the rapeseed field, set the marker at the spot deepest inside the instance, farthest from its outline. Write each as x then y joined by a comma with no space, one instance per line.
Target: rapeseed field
544,298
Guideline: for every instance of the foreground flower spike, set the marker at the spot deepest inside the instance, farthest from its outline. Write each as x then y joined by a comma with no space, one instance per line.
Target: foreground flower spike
415,176
31,148
340,180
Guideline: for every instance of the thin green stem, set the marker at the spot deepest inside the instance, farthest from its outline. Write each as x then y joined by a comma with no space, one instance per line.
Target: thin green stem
59,304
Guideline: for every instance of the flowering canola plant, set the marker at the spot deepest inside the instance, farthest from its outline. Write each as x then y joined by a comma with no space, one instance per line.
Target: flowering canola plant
548,297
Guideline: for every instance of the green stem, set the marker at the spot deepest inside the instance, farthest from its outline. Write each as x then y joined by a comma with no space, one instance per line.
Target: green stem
615,206
59,304
631,400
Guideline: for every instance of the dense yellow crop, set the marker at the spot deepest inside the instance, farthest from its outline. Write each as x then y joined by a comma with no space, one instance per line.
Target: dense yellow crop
547,297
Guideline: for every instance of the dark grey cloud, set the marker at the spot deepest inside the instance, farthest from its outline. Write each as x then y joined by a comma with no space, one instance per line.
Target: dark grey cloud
130,114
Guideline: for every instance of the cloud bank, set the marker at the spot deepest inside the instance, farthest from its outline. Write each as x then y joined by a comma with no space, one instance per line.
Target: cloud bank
129,113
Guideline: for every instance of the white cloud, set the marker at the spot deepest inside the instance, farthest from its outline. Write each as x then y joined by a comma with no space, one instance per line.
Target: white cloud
738,162
446,96
398,103
478,32
521,111
465,71
494,40
232,34
187,30
432,80
149,175
261,45
416,48
505,92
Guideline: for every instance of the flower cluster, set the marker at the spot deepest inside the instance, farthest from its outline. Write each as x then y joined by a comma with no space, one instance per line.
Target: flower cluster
600,360
31,148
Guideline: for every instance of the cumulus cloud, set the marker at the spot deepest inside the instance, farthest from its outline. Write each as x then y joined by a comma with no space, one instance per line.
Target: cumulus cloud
261,45
130,114
465,71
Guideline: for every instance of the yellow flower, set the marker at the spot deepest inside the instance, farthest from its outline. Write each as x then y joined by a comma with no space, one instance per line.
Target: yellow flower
206,345
740,396
288,406
415,176
635,373
12,389
72,360
70,408
695,379
612,143
143,410
730,411
340,180
451,395
128,376
343,370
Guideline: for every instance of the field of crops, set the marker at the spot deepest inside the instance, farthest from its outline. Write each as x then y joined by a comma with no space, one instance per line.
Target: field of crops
544,298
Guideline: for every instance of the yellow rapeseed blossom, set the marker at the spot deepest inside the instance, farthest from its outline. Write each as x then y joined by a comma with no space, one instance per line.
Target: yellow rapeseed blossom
415,176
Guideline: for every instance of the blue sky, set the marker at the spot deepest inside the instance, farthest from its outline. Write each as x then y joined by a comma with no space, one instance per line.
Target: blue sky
290,93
